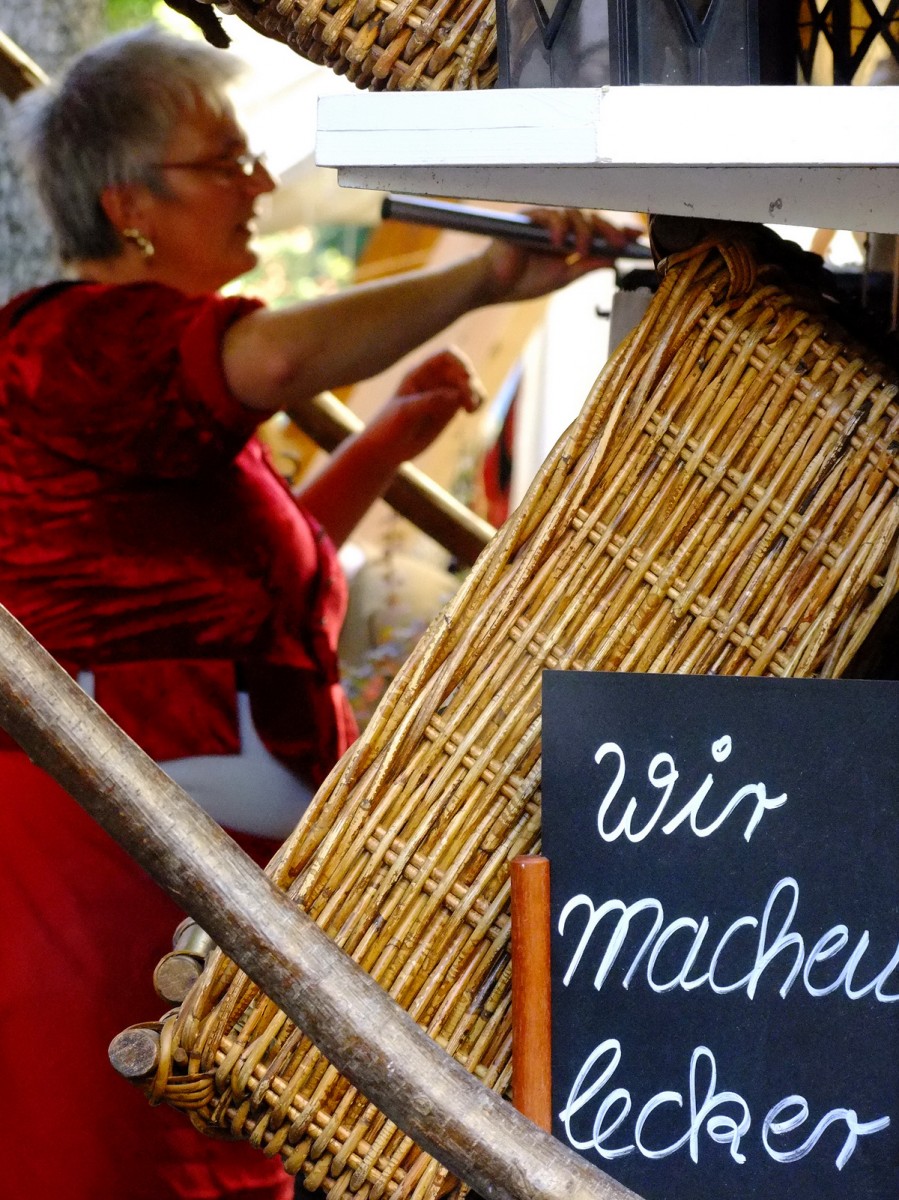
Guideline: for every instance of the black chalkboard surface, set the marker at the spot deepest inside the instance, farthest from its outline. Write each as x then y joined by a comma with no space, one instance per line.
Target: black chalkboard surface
725,932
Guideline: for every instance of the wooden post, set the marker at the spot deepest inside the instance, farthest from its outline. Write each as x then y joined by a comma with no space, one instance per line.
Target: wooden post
18,72
531,993
349,1016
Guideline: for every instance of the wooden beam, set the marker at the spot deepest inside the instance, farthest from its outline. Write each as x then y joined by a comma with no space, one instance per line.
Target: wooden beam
531,989
473,1132
18,72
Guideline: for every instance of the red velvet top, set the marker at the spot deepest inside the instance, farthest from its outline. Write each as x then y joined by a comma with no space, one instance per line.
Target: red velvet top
145,536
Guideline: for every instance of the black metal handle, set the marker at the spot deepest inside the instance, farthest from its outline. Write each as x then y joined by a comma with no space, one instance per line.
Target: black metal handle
514,227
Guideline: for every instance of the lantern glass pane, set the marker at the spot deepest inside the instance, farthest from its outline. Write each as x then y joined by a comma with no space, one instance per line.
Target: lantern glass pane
844,41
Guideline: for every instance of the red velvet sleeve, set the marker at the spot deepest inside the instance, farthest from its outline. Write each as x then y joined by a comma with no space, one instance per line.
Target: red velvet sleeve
130,379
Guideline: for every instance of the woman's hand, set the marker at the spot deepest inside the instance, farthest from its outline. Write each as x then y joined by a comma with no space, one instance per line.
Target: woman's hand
425,402
517,273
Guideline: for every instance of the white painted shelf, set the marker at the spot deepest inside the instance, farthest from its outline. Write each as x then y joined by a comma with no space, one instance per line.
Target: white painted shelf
786,155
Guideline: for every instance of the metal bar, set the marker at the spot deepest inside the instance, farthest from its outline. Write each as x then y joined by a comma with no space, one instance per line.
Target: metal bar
368,1037
18,72
514,227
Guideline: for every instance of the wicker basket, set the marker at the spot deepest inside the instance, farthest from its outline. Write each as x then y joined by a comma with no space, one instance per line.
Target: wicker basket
404,45
726,502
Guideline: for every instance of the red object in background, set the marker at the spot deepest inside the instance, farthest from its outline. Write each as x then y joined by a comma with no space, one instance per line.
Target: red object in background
496,471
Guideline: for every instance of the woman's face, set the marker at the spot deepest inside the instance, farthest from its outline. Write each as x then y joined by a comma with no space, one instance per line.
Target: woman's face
202,229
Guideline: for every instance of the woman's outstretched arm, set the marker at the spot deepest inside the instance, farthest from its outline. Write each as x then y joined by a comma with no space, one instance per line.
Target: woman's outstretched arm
276,358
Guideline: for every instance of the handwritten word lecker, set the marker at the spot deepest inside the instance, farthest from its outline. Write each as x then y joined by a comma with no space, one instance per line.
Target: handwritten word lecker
724,1116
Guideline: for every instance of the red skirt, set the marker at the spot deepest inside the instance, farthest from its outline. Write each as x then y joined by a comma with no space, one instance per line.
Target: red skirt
82,929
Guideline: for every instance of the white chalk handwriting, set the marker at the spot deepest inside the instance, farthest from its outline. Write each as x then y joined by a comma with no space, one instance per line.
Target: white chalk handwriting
723,1116
766,946
662,775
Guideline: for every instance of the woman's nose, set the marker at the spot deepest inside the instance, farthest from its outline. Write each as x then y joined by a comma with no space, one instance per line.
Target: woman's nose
262,180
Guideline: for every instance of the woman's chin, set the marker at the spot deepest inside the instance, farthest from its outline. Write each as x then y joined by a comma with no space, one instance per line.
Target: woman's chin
234,267
248,258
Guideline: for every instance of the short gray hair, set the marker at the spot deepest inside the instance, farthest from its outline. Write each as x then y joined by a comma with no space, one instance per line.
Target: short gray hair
106,120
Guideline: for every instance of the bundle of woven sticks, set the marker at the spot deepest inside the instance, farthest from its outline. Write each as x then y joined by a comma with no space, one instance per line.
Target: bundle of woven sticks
726,502
405,45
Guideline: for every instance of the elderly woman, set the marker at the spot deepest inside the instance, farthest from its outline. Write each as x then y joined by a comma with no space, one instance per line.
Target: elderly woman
146,541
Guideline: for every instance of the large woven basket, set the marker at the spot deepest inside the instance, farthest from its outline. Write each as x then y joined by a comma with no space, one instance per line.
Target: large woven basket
727,502
404,45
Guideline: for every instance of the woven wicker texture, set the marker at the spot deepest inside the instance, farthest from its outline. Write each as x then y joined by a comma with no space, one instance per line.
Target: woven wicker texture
405,45
726,502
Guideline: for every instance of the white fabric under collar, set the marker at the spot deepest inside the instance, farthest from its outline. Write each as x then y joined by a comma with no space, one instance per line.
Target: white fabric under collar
250,792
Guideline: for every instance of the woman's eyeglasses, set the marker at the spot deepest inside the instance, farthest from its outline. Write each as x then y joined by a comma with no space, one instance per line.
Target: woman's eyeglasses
227,169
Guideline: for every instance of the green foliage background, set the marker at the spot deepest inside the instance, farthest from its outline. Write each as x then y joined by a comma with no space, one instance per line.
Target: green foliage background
125,14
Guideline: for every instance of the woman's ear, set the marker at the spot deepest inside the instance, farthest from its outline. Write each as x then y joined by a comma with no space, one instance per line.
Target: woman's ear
123,204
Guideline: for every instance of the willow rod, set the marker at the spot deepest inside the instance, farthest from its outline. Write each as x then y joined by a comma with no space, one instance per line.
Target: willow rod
370,1039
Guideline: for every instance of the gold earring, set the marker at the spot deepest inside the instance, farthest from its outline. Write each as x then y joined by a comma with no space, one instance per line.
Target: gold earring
143,243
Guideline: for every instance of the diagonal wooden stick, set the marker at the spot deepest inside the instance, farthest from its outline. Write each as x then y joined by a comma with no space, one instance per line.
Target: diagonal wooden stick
368,1037
18,72
414,495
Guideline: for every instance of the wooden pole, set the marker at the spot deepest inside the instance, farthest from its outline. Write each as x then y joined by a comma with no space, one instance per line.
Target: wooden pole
18,72
368,1037
411,493
531,991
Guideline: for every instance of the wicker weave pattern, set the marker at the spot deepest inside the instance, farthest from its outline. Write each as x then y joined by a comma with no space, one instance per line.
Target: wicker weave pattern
404,45
726,502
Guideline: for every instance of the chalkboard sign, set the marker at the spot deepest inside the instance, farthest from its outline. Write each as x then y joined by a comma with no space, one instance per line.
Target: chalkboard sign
724,858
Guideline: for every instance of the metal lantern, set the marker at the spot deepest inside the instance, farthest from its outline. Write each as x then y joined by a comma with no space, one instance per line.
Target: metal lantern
588,43
703,41
840,40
